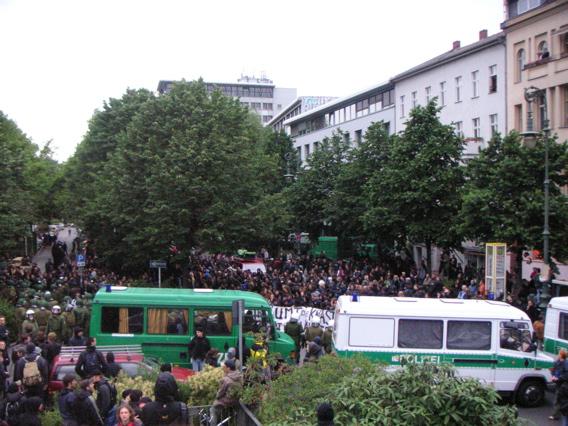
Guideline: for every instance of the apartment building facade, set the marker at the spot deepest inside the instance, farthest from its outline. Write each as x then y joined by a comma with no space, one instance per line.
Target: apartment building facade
300,105
537,56
469,84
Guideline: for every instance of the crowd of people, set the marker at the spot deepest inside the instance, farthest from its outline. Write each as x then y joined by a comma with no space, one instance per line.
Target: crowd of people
52,309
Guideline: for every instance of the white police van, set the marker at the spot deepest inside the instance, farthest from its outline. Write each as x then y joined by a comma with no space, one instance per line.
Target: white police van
556,326
488,340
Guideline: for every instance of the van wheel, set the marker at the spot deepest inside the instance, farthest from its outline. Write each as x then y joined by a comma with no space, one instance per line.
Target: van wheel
531,393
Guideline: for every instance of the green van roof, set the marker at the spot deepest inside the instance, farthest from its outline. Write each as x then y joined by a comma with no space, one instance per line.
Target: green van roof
177,297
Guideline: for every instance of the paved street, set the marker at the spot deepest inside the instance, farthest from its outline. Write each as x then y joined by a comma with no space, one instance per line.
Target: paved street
66,235
539,416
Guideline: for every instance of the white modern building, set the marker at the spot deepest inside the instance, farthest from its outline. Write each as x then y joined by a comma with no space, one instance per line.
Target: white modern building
297,107
258,94
470,85
352,115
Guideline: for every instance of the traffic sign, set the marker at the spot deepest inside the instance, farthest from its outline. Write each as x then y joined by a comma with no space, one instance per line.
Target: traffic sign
80,260
158,264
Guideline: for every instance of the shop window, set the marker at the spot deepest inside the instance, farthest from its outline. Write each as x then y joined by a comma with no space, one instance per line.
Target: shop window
167,321
122,320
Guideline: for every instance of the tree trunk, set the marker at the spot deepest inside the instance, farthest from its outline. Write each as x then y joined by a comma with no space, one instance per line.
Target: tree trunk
516,268
429,256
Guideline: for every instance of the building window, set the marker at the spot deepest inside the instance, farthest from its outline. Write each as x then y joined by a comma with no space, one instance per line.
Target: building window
358,137
428,94
307,151
459,128
565,106
519,118
475,84
348,114
266,118
413,95
402,114
526,5
443,93
458,89
564,44
476,128
542,50
255,106
493,123
520,65
316,146
492,78
346,138
299,153
267,106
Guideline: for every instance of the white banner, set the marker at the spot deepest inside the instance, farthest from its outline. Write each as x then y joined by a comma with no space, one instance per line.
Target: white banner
305,315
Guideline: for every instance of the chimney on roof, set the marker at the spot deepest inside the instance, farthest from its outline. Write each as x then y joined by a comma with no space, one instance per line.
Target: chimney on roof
456,45
482,35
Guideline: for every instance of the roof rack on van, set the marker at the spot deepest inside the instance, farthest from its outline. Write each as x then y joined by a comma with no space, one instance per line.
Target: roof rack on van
73,351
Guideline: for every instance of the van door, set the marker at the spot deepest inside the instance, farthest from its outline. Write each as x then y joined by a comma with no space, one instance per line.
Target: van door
514,356
469,344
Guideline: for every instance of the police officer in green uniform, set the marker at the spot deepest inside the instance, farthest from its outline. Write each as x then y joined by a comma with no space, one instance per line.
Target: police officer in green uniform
327,337
295,330
42,315
69,322
29,325
313,330
56,323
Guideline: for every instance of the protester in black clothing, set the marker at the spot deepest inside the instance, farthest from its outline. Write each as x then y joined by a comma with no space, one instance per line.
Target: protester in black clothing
90,360
325,414
51,348
197,349
112,367
31,408
166,375
66,400
106,395
165,410
85,408
78,339
4,363
12,405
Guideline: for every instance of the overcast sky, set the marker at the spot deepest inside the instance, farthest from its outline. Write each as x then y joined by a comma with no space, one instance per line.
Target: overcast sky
62,59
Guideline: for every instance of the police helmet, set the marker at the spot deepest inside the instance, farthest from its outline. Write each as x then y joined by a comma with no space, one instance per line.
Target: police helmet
56,309
315,323
30,312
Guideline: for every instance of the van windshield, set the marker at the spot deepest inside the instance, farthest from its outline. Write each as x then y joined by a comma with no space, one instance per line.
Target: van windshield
515,339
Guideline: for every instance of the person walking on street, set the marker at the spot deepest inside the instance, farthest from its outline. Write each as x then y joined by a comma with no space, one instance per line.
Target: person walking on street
197,349
106,397
112,367
558,370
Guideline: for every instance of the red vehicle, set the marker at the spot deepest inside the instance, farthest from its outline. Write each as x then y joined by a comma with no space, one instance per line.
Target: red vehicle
130,358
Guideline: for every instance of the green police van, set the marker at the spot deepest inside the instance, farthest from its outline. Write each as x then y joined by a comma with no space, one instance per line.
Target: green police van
164,320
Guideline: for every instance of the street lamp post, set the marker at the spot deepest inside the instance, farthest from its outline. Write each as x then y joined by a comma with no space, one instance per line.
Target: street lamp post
531,94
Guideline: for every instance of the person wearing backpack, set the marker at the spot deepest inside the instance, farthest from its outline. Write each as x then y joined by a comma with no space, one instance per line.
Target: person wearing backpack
32,370
12,405
165,410
66,400
106,397
90,360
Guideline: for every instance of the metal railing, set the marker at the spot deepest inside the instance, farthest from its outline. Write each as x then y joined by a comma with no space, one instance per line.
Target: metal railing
73,351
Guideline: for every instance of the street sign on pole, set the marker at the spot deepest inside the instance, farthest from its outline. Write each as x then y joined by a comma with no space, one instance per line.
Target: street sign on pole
80,260
496,270
159,265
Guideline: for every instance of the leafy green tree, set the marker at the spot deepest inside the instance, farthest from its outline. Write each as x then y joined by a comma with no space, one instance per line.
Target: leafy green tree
187,169
415,195
503,197
312,193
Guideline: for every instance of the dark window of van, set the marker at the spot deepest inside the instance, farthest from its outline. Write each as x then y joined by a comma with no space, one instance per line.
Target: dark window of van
213,322
122,320
563,326
420,334
254,320
469,335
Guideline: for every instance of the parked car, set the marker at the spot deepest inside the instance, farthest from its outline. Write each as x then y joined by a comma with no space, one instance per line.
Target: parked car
133,363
